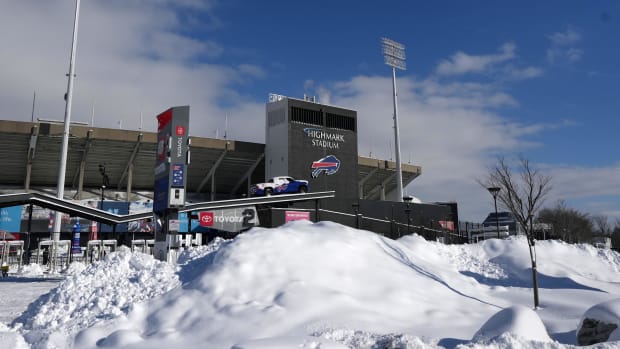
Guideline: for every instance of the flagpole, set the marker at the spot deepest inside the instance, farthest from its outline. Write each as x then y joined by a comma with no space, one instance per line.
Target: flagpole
65,135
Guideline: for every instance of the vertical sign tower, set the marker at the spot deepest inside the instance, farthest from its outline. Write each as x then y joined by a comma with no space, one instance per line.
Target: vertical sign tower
172,159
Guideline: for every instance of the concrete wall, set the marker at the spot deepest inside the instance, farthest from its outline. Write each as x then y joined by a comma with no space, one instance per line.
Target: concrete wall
277,140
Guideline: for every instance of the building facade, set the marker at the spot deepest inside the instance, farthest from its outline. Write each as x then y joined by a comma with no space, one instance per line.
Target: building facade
312,141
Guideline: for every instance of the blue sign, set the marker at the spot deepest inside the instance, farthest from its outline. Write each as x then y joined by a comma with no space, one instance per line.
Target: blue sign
195,228
75,244
177,175
11,219
115,207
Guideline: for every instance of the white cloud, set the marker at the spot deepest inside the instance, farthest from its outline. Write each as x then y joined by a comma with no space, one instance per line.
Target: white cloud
462,63
131,58
448,129
525,73
589,189
563,47
578,181
574,54
500,65
566,38
252,70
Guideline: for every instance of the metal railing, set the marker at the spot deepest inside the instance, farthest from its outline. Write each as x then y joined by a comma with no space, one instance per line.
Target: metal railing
394,229
11,254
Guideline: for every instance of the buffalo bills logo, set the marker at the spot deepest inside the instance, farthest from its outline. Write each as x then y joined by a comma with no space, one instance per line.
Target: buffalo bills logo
329,164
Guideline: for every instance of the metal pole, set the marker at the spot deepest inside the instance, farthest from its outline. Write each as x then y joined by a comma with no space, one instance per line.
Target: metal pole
92,115
356,207
65,135
316,210
399,171
34,97
101,207
533,256
29,231
496,217
392,224
408,219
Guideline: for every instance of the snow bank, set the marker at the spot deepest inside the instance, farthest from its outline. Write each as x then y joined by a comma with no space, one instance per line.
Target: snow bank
323,284
89,295
517,320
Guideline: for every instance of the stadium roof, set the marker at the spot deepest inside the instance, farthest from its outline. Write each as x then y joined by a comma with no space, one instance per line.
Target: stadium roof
32,151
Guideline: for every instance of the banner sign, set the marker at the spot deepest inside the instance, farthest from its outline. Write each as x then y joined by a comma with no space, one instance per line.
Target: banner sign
233,220
296,216
115,207
447,225
11,219
75,243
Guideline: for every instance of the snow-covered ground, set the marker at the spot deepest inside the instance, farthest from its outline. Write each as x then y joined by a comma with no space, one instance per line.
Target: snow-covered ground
320,285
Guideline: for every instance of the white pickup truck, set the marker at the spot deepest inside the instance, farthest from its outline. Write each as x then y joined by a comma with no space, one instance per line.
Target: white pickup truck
280,185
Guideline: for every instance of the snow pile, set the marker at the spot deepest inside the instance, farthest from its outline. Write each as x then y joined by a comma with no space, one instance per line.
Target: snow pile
90,295
31,270
517,320
324,285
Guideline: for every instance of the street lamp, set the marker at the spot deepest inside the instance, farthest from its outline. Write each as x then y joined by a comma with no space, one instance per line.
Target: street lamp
494,191
105,181
394,56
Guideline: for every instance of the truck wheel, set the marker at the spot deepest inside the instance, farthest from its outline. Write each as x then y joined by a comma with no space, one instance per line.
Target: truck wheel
268,191
303,190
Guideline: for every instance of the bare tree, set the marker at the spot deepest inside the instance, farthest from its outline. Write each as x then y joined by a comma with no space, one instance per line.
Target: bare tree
569,224
603,227
523,194
615,235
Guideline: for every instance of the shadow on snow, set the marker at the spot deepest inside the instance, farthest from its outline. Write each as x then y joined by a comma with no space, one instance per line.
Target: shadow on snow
544,281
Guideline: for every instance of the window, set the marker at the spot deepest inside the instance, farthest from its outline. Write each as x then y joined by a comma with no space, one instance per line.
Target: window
306,116
340,122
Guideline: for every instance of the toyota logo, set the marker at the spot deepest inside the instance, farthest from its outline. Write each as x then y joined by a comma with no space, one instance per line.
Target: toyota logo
205,218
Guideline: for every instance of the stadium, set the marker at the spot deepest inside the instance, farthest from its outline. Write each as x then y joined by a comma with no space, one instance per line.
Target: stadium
113,170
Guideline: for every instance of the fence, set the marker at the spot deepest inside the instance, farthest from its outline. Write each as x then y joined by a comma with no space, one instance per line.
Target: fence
57,255
393,229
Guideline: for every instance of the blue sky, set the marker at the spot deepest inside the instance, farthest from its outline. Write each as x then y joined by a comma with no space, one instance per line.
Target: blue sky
483,79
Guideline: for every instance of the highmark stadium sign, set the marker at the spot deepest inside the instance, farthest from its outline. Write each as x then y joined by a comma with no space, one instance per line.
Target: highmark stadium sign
322,139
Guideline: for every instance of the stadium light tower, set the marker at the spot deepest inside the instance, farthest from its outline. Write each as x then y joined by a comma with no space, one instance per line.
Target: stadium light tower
394,56
60,191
